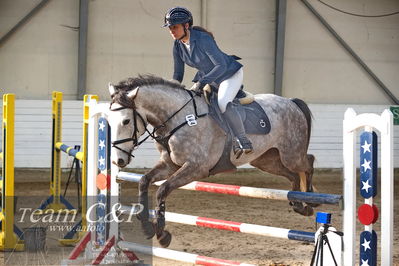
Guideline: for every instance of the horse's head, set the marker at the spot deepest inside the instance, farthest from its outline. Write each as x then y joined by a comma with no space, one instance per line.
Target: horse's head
133,101
127,125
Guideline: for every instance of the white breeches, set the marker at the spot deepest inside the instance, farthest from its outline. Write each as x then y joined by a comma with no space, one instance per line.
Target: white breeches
228,89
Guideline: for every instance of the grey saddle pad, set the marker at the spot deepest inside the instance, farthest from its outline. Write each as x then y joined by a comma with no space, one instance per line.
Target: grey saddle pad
253,116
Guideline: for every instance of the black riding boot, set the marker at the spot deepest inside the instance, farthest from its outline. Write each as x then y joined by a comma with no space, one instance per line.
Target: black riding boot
233,118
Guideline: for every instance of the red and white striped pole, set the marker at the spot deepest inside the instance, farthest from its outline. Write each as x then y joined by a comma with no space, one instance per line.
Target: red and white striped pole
177,255
254,229
252,192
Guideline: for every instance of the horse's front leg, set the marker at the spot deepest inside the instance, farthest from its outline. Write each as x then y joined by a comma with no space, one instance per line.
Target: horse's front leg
160,172
185,175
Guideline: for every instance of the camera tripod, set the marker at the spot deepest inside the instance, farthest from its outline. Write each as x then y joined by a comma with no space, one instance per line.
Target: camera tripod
322,239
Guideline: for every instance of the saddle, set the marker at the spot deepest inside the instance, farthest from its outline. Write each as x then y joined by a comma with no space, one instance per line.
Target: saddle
254,118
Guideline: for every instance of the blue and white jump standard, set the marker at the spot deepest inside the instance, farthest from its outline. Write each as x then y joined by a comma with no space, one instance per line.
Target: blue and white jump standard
368,213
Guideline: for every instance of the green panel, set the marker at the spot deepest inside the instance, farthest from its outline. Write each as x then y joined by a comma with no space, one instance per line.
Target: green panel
395,112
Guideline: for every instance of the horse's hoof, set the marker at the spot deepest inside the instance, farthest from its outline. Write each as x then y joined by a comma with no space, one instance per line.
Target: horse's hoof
164,239
148,229
303,210
313,205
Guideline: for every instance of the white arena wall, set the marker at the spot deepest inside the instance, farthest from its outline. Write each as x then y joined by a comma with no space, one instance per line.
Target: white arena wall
33,134
125,38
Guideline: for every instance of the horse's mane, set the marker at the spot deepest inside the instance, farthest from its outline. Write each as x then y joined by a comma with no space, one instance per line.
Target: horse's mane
125,86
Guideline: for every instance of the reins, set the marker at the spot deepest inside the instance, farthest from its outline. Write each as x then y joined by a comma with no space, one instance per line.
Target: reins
163,140
134,137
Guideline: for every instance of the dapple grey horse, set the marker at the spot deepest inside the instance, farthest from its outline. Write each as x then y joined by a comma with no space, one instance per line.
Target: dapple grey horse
187,153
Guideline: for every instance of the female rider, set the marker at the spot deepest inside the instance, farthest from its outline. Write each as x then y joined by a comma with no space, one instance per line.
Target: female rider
197,48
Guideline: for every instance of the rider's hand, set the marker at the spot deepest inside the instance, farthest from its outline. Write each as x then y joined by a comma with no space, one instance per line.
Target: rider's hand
197,88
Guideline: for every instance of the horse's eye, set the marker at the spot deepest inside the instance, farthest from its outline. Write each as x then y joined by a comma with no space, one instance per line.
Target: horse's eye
125,122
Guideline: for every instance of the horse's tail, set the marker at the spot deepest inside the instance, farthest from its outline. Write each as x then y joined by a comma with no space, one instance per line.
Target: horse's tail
308,114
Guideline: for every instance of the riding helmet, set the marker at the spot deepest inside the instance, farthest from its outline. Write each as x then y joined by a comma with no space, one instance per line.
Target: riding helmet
178,15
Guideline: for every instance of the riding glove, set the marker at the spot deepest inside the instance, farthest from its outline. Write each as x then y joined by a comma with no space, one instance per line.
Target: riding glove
197,88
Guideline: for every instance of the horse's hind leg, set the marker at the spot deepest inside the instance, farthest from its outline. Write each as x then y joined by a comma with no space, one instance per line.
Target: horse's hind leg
307,175
270,162
309,178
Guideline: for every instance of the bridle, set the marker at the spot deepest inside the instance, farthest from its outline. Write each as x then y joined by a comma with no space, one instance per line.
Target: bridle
134,136
163,140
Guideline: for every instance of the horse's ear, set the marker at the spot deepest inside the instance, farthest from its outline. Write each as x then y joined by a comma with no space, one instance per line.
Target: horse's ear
133,93
111,89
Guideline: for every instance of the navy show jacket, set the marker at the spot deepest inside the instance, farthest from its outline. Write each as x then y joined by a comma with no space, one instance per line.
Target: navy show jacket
212,64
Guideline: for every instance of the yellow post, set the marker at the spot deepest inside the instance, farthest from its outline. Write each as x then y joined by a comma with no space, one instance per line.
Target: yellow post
68,239
8,239
55,181
55,202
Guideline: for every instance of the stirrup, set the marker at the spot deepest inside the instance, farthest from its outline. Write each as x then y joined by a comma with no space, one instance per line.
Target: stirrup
240,150
237,151
248,150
